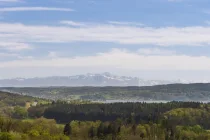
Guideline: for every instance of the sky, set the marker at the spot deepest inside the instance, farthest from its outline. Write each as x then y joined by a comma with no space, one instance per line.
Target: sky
150,39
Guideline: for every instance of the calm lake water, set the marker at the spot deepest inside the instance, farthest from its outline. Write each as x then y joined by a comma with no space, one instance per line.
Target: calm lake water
131,101
141,101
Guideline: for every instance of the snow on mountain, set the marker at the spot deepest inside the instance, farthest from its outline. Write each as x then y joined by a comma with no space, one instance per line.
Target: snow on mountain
103,79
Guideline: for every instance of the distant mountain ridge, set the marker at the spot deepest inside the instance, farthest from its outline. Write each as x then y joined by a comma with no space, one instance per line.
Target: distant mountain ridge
172,92
103,79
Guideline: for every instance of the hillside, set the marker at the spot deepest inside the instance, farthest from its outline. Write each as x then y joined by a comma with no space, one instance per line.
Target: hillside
178,92
16,105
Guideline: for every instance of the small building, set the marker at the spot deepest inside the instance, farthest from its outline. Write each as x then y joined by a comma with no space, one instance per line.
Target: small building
34,104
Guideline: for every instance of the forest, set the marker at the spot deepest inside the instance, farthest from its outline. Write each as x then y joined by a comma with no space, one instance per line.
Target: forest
83,120
172,92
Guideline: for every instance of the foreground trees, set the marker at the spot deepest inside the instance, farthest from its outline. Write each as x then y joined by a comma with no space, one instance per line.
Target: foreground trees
118,121
41,129
115,131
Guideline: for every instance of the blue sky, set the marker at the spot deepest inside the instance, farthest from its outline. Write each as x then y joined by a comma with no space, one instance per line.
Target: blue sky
151,39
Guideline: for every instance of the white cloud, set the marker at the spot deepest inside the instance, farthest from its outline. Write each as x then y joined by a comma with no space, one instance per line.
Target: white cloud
155,51
16,9
5,55
125,23
72,23
206,11
52,54
90,24
8,55
175,0
65,1
25,57
117,58
207,22
9,0
163,36
14,46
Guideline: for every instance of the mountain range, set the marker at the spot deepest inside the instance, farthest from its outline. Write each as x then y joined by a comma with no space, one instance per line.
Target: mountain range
103,79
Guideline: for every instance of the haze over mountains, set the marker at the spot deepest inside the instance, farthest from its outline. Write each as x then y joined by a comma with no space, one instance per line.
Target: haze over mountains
103,79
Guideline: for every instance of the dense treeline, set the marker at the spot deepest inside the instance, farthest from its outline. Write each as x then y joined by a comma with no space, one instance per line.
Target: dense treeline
140,112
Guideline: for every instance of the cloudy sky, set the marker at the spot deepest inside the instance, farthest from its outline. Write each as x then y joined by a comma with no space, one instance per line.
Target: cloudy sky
151,39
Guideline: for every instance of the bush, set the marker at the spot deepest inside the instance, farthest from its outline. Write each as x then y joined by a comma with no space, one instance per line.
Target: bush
6,136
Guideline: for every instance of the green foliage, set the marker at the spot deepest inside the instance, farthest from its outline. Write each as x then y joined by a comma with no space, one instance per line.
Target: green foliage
178,92
5,136
188,116
42,129
20,112
95,121
131,112
14,105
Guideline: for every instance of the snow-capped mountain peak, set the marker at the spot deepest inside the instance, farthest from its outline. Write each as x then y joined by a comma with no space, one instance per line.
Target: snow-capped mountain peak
89,79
